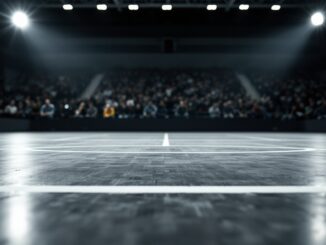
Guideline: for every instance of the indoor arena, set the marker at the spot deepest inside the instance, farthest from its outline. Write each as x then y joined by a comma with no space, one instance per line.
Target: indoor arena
162,122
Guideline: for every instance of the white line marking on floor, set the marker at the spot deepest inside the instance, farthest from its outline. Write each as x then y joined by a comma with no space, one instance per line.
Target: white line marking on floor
162,189
176,146
166,140
261,138
283,140
171,152
65,139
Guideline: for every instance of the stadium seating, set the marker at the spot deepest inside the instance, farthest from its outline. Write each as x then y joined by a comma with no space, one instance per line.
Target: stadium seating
153,93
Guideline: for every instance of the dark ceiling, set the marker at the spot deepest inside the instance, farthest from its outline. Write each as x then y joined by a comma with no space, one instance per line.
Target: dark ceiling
189,25
121,4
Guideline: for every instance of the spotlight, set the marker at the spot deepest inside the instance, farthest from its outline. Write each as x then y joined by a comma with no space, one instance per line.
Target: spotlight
166,7
211,7
133,7
67,7
276,7
317,19
20,20
101,7
244,6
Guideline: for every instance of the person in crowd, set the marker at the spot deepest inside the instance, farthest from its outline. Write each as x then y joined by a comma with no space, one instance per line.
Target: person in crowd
28,108
214,111
150,110
11,109
109,110
91,111
182,109
130,108
320,113
121,109
228,109
47,109
162,111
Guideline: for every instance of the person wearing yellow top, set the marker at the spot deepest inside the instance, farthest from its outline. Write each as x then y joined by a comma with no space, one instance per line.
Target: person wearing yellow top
108,111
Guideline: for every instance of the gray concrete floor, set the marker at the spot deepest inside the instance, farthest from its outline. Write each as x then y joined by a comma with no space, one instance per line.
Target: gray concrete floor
58,161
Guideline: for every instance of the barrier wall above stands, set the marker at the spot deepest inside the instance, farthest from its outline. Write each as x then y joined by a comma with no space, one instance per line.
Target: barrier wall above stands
13,125
239,125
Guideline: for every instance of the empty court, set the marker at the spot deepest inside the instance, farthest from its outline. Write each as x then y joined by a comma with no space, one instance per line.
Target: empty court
163,188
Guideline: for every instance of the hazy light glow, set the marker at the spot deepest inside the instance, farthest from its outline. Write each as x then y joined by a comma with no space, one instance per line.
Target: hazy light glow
317,19
244,6
133,7
67,7
18,224
101,7
211,7
20,19
166,7
276,7
319,228
19,159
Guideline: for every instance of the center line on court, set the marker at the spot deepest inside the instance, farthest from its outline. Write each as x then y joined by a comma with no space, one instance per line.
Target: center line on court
166,141
163,189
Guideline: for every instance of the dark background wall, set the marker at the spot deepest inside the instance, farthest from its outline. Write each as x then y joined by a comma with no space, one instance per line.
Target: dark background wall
89,39
233,125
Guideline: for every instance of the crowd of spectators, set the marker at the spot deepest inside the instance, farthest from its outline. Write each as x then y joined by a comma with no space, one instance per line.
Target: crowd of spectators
39,96
166,94
297,97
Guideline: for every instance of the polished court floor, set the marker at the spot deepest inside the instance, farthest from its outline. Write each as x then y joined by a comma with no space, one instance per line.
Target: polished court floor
162,188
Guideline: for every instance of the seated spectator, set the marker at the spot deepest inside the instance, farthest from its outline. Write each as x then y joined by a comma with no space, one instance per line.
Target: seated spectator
214,111
150,110
28,109
91,110
47,109
162,111
108,110
11,109
130,108
228,109
182,109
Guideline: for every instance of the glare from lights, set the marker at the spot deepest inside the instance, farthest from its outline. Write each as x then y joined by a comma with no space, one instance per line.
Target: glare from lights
166,7
101,7
67,7
20,20
276,7
244,6
211,7
133,7
317,19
